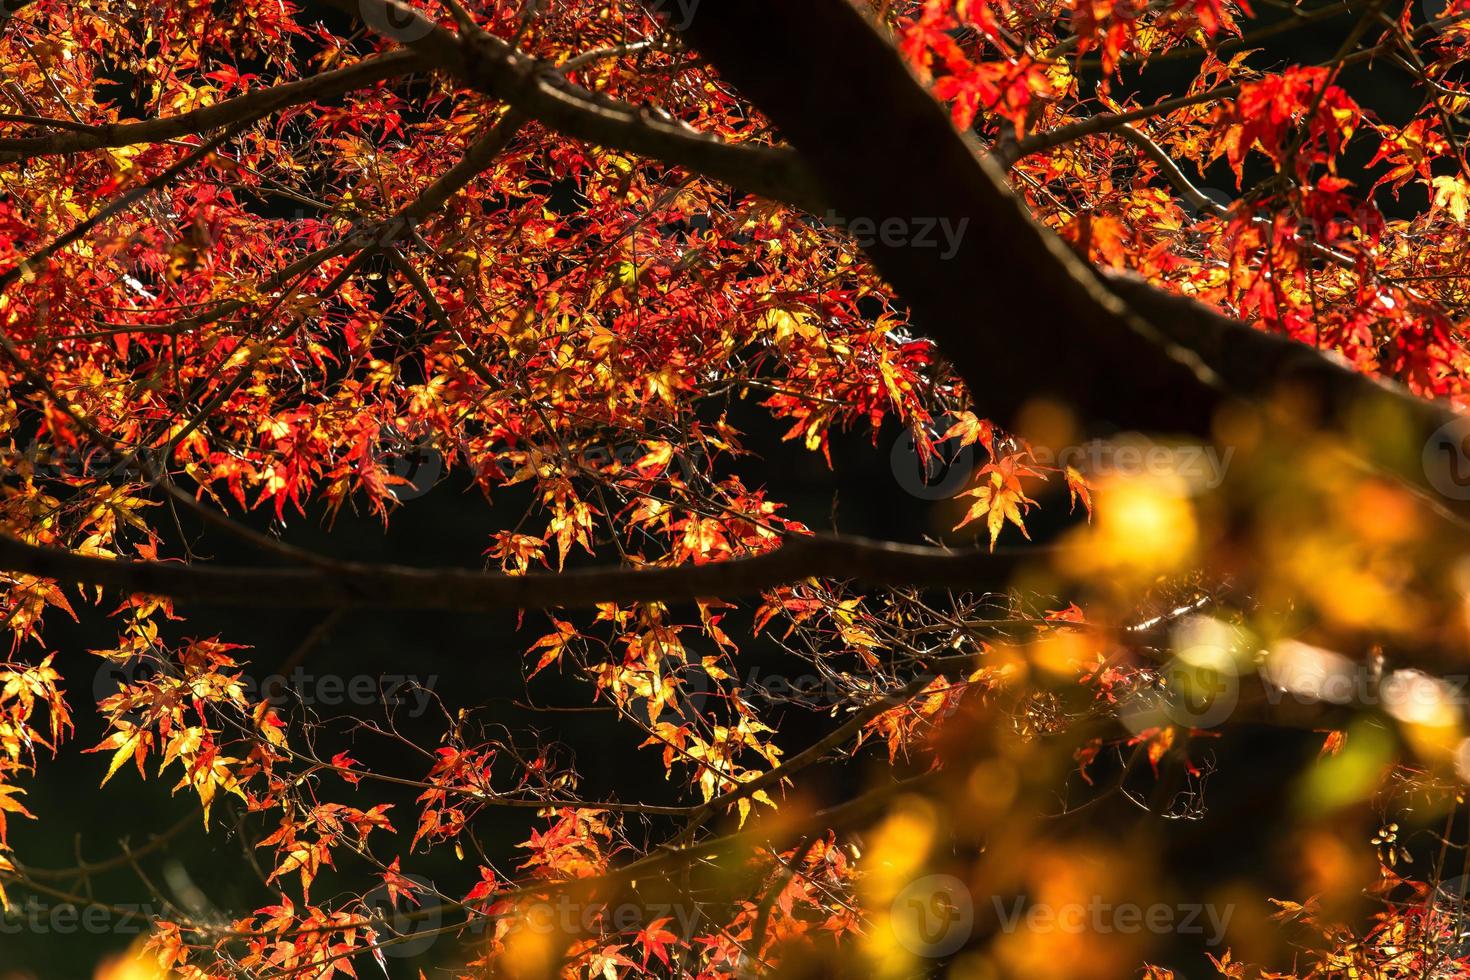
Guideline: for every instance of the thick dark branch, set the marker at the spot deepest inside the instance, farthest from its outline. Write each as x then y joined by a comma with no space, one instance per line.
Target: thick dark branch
355,585
243,108
1257,365
1020,315
491,66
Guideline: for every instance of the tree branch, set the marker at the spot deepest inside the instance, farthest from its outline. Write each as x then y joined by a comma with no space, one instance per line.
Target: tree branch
1105,121
1020,316
1196,199
356,585
837,89
243,108
490,65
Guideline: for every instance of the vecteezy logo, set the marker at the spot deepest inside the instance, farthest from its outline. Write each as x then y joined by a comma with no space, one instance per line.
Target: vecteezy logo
1213,200
932,477
679,14
1446,459
1435,11
692,683
1198,688
1200,692
933,916
115,676
416,468
395,20
1450,918
405,926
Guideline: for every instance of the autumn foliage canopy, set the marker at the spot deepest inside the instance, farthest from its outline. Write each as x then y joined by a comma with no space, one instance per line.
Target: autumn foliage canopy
590,265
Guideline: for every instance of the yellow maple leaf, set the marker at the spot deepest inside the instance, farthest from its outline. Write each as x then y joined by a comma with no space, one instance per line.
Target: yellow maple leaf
1452,194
